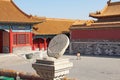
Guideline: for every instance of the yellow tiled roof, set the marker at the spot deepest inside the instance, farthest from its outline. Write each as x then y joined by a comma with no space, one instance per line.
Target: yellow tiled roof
111,9
101,25
10,13
83,23
53,26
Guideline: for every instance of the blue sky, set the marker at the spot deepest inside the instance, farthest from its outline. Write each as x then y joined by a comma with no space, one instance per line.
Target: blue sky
71,9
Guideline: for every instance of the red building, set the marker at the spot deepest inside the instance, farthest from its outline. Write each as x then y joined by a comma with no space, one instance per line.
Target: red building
15,28
101,36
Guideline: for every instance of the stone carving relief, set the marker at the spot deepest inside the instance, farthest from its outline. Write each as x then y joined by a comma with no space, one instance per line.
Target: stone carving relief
96,48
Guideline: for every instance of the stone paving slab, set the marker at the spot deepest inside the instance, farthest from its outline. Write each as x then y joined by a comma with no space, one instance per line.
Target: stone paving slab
8,60
95,68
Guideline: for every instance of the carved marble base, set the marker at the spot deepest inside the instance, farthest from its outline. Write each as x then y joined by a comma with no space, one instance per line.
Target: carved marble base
52,69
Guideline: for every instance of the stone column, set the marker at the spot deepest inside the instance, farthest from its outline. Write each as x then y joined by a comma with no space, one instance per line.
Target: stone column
70,48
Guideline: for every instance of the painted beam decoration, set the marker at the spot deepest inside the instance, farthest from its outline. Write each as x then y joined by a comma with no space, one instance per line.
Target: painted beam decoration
5,27
21,28
17,28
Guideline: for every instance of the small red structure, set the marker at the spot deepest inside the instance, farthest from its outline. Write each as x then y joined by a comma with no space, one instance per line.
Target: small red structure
40,43
15,28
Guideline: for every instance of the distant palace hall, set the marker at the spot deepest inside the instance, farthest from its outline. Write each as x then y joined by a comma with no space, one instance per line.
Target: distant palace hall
99,37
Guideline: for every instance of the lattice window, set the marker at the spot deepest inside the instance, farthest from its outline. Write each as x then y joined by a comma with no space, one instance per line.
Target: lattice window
27,39
21,39
14,39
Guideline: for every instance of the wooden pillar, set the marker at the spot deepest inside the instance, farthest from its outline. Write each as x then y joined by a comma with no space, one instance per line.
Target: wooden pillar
31,41
45,44
33,46
10,41
39,43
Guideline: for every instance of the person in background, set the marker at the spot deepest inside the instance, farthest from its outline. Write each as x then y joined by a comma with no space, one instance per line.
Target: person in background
78,56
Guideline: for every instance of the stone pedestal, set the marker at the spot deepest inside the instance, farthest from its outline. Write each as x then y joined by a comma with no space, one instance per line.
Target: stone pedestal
53,69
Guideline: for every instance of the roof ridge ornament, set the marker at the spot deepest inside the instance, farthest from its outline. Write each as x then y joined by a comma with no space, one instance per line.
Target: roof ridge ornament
108,2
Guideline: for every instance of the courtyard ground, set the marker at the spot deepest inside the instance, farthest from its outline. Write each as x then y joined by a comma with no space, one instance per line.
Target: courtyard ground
87,68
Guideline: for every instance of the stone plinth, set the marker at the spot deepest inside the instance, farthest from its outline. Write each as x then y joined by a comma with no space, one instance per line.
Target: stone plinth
52,69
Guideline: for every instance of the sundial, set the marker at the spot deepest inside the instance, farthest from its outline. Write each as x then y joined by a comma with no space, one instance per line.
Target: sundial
57,46
54,66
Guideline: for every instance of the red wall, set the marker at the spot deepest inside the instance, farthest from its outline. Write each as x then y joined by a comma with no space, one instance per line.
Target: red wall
107,34
1,41
5,39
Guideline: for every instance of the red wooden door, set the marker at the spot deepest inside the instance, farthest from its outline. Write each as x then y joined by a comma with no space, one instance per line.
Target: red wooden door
1,41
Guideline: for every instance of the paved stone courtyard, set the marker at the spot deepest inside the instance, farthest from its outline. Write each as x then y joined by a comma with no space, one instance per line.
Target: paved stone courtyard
88,68
96,68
